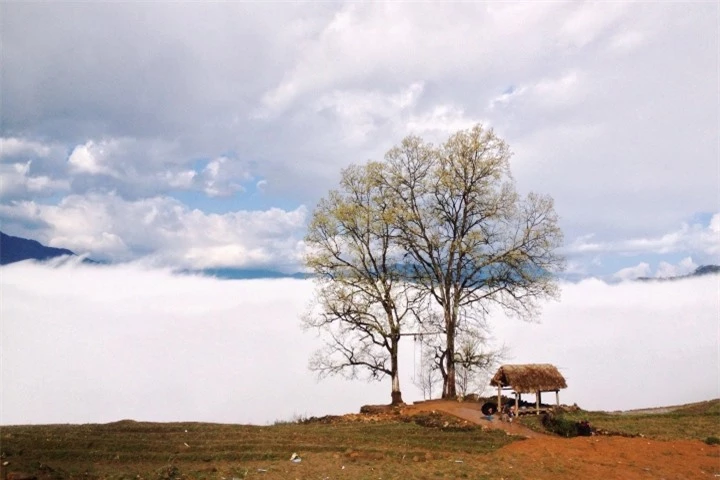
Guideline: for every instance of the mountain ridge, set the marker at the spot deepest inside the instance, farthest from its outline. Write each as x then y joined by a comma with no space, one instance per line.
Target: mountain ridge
700,271
16,249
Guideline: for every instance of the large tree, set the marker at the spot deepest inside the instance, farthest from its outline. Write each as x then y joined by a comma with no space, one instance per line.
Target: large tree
362,299
472,242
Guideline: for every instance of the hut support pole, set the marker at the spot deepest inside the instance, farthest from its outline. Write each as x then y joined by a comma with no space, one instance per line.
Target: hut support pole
517,403
537,403
557,397
499,405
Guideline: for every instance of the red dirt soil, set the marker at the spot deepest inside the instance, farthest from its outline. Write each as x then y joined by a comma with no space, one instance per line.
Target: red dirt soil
549,457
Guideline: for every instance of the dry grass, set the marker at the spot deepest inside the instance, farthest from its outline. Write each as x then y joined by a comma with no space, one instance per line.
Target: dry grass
135,450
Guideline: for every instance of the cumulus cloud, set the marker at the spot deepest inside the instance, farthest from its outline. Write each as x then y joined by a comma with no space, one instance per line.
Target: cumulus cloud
101,343
367,115
17,181
91,158
165,231
683,267
630,273
132,167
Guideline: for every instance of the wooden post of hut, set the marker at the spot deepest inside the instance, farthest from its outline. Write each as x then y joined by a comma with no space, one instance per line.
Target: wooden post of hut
557,397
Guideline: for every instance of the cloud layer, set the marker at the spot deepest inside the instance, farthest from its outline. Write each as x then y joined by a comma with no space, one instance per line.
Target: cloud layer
611,108
98,344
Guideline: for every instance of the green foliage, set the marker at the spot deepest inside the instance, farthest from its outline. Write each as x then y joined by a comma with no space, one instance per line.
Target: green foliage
712,440
564,426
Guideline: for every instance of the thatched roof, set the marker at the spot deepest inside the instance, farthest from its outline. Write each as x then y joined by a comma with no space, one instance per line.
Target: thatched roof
529,378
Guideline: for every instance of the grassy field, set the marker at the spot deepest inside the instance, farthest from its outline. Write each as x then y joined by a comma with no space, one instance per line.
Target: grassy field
135,450
697,421
423,446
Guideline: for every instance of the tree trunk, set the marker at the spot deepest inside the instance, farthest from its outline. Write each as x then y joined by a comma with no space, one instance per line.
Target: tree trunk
449,390
396,395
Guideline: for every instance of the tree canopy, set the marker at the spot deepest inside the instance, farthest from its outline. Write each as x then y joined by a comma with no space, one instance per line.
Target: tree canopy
439,224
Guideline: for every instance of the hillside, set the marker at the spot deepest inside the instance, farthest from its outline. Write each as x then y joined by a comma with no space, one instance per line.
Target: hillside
438,439
17,249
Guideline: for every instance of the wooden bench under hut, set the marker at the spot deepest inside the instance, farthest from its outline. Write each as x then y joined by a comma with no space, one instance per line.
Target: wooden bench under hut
528,378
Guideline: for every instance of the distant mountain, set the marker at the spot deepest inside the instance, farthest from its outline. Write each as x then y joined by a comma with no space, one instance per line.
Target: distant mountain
706,270
16,249
701,271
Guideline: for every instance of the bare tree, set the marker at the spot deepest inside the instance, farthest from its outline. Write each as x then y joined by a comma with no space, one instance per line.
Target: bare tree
474,360
362,299
472,241
474,363
427,376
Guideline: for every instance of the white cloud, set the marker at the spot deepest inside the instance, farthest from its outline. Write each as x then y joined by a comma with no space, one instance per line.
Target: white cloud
364,115
694,239
16,180
631,337
92,158
389,40
664,270
574,88
13,147
181,180
631,273
361,113
219,179
627,40
165,231
440,122
147,345
547,93
588,21
683,267
126,339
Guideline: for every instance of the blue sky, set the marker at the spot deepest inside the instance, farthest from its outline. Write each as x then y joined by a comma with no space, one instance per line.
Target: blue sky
202,135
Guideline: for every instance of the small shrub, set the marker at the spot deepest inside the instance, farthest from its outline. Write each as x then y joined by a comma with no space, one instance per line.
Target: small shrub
712,440
584,429
565,427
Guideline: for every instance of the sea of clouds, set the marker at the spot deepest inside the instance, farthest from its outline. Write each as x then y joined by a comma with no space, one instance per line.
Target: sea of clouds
86,343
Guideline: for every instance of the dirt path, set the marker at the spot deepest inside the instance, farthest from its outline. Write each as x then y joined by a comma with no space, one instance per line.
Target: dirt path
546,457
471,412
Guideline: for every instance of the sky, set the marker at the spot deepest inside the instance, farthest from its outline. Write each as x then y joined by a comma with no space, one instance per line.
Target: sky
202,135
99,343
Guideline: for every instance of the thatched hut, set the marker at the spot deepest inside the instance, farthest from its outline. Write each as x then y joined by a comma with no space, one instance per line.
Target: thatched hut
529,378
